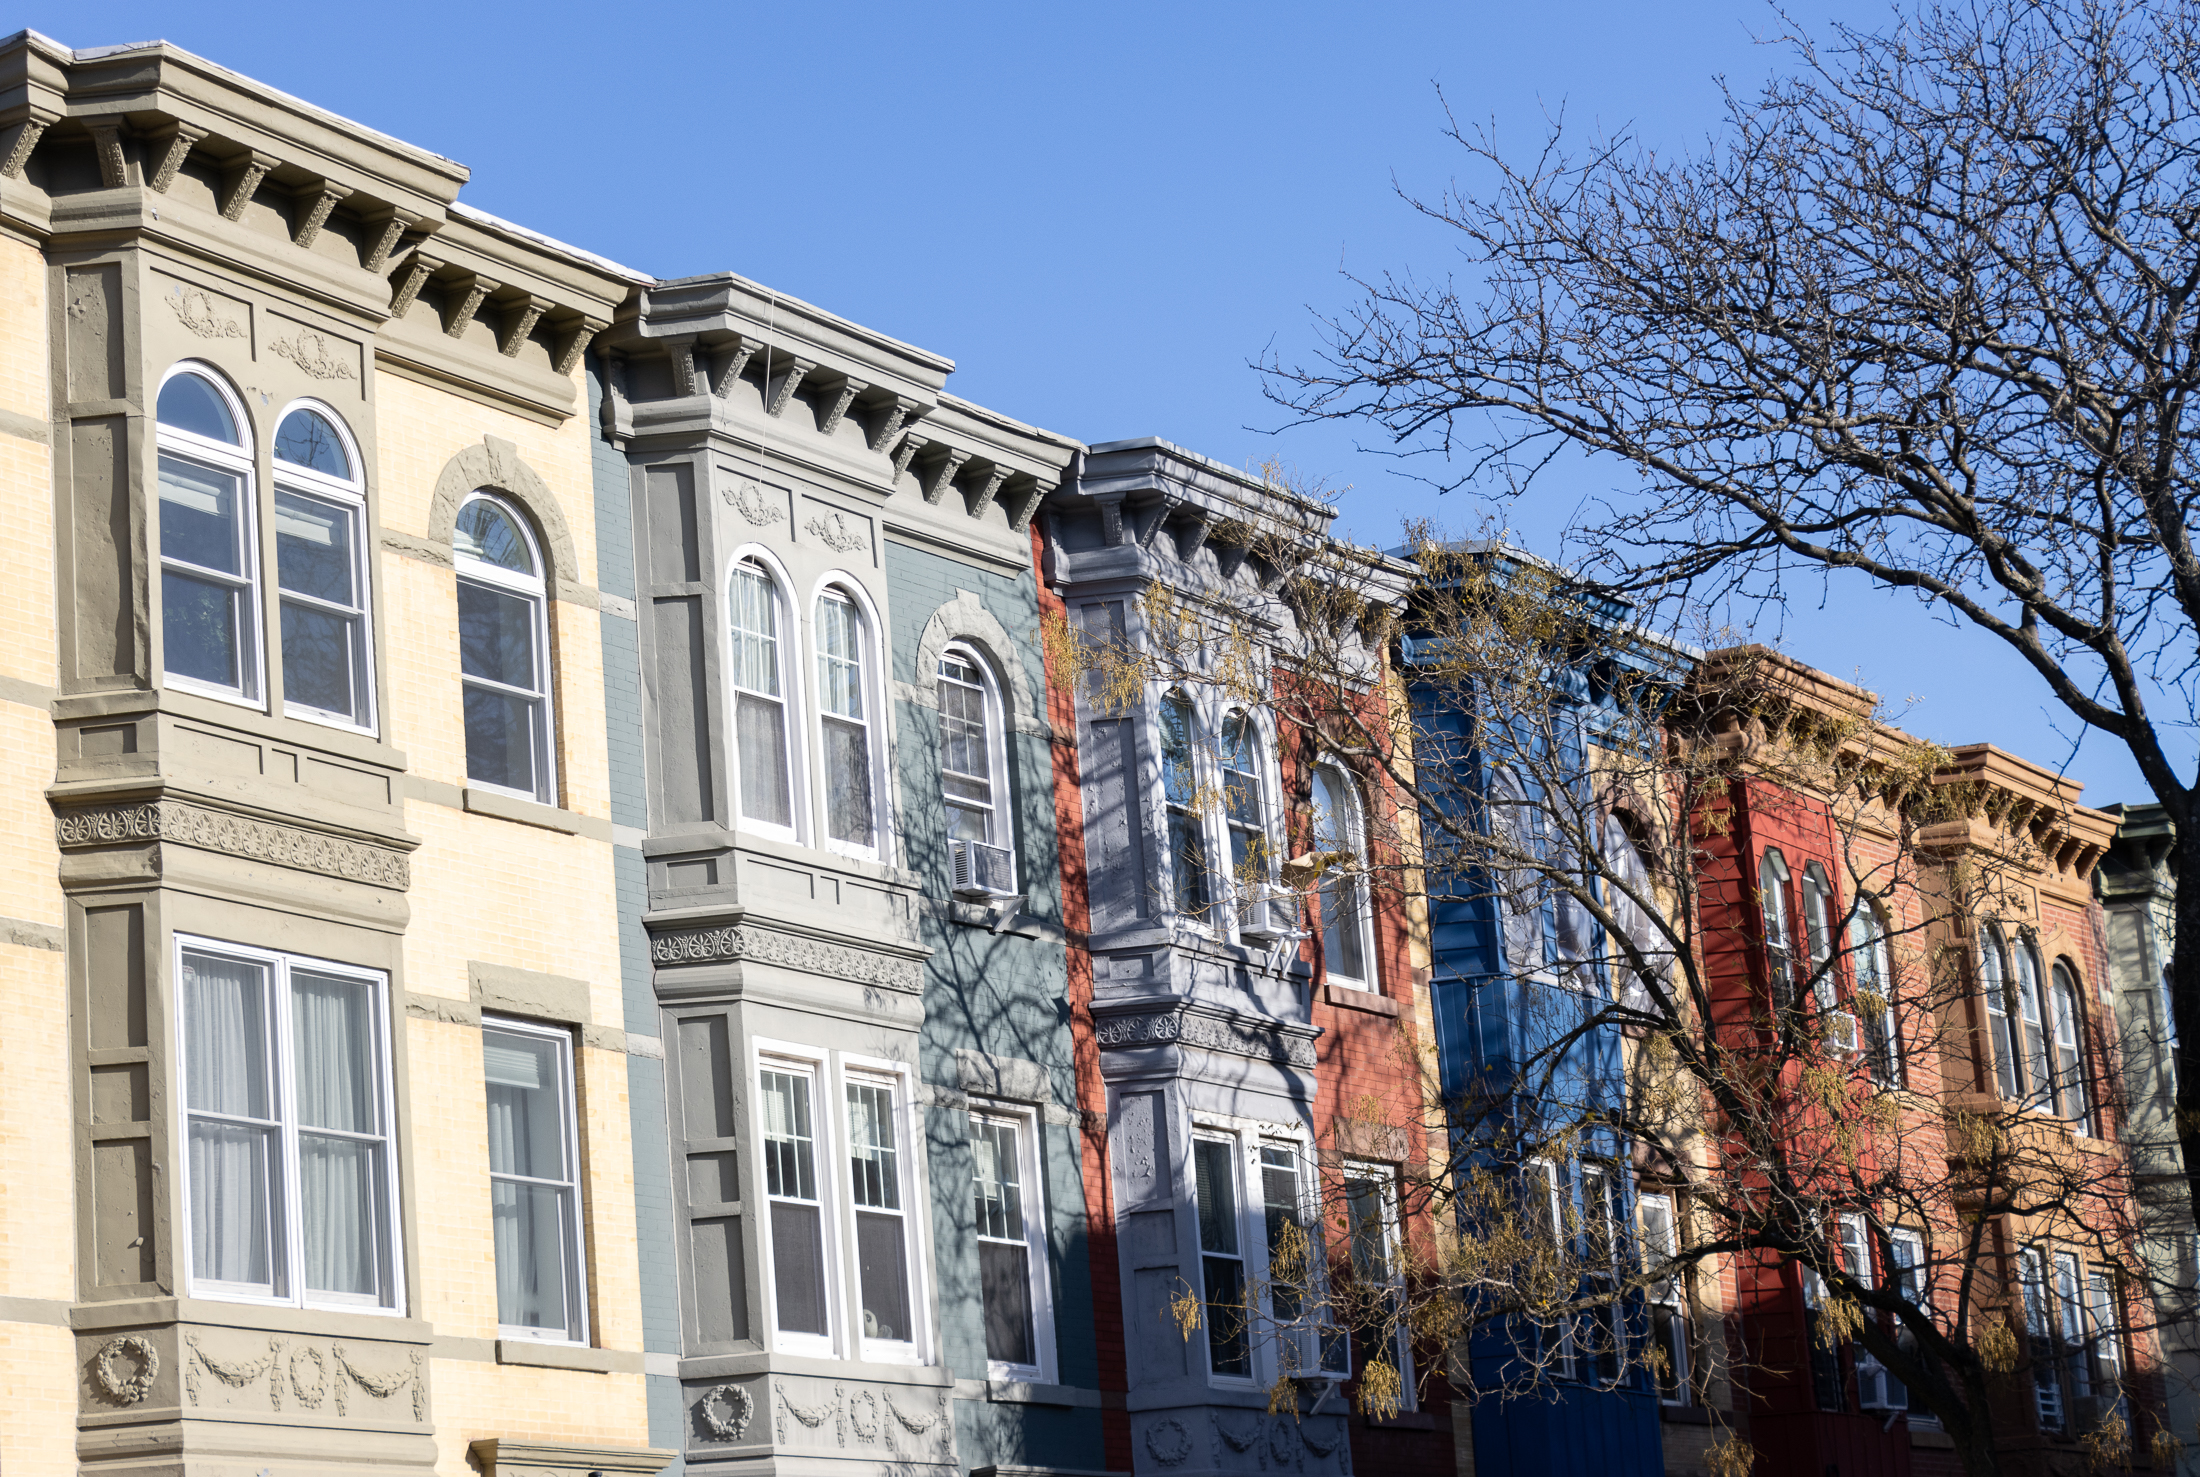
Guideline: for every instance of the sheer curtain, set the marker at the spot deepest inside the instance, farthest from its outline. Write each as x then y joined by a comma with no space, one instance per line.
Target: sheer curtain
527,1140
339,1132
225,1006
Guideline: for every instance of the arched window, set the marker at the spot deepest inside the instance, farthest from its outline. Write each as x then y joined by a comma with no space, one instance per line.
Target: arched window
1629,880
1993,983
503,649
1245,816
209,586
844,703
1340,833
1517,888
1180,797
2070,1094
1772,892
2039,1078
1875,994
974,777
321,569
764,778
1818,914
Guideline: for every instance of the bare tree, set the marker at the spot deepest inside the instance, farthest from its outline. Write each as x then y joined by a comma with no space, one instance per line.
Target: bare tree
1927,309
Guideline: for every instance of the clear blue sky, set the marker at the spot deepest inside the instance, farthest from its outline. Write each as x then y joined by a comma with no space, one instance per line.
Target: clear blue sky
1100,212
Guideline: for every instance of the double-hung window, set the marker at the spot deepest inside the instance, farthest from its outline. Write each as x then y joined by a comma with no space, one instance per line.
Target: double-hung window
1913,1280
2070,1094
2070,1350
290,1173
787,1099
2039,1330
1828,1382
1602,1338
503,650
321,568
764,778
1188,878
1630,899
1875,995
843,703
1545,1199
1340,834
1772,898
2039,1080
881,1197
1012,1248
1993,982
1818,927
2106,1347
209,559
1378,1268
1224,1284
1669,1332
1294,1280
534,1181
974,777
1245,817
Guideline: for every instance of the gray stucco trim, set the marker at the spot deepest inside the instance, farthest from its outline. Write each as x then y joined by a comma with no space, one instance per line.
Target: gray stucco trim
24,427
495,466
965,619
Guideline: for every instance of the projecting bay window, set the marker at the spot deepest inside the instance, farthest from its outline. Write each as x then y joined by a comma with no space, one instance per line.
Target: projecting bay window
1012,1248
1223,1279
534,1181
844,704
209,557
787,1101
290,1173
763,777
974,778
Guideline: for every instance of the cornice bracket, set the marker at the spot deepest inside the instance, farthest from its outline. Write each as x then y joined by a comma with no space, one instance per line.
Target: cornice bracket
942,473
240,178
520,318
175,141
911,444
573,342
1019,521
844,397
463,301
681,353
982,497
19,138
114,168
322,196
727,362
389,225
886,426
418,269
784,387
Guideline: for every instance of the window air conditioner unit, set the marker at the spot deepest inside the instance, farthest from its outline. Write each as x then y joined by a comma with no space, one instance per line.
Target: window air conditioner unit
1268,914
1876,1389
980,872
1841,1033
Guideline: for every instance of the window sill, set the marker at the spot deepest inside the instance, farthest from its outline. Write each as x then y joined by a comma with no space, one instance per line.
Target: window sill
1019,1392
547,1355
1683,1415
1371,1001
478,801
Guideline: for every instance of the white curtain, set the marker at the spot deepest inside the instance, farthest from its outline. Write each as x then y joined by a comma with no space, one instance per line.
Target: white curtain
339,1172
225,1055
527,1138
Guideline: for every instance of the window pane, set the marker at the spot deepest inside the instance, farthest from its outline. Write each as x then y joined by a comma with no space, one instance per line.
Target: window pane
199,629
789,1145
1188,865
486,532
306,439
333,1028
1005,1274
839,659
798,1268
1290,1261
873,1161
313,548
189,403
500,739
225,1036
1217,1196
964,746
755,615
526,1115
337,1191
1177,778
324,664
1000,1194
1240,770
848,782
1344,948
529,1223
882,1267
230,1198
1225,1315
496,635
760,736
200,520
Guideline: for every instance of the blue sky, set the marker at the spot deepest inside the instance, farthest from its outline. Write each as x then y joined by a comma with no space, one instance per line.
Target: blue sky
1102,213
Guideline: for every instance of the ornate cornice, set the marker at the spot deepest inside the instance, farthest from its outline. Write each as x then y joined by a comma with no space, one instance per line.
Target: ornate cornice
1269,1041
235,835
745,942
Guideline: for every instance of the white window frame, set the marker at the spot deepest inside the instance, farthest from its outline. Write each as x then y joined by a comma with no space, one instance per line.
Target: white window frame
1025,1121
1245,1139
241,460
1818,921
844,588
1385,1176
1253,730
1557,1188
2066,1008
285,1208
1194,812
351,495
2036,1287
915,1207
1773,880
536,590
787,643
1248,1237
2038,1047
825,1116
1001,825
576,1259
1872,967
2003,1029
1351,829
1669,1293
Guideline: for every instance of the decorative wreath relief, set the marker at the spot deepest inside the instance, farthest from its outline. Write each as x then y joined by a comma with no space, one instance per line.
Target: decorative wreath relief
138,1385
738,1407
310,1398
1167,1442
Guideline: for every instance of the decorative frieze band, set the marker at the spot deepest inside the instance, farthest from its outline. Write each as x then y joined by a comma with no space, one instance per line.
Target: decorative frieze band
733,942
236,835
1262,1040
